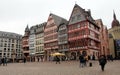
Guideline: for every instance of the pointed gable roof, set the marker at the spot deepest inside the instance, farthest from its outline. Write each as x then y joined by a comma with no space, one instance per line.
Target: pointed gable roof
57,19
79,14
115,22
27,29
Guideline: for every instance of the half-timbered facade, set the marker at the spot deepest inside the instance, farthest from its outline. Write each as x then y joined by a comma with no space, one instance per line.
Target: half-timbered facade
83,33
25,43
51,35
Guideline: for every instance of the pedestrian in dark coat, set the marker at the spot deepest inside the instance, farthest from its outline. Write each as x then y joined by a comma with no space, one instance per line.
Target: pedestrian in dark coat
102,62
57,59
0,61
24,60
82,61
111,57
5,60
93,57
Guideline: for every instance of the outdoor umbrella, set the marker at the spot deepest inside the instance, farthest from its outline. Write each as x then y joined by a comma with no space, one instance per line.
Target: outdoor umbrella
57,54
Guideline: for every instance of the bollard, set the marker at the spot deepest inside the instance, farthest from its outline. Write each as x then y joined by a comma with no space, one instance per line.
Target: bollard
90,64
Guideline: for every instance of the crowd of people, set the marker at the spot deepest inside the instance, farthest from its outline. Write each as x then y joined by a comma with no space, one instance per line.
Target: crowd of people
102,59
84,59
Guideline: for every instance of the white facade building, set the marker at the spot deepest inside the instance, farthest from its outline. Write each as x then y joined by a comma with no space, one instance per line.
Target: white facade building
10,44
32,40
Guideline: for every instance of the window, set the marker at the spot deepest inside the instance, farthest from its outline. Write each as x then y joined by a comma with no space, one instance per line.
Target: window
97,36
92,43
92,26
75,10
12,40
78,17
1,45
5,45
8,49
92,33
4,54
1,40
12,45
73,19
78,25
4,49
76,33
83,32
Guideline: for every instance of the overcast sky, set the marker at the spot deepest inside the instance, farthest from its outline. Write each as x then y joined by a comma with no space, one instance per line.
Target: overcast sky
16,14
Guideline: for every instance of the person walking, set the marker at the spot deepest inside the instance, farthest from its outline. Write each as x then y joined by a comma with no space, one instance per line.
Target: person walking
0,61
5,61
111,57
57,59
41,58
102,62
93,57
24,60
81,59
38,59
85,60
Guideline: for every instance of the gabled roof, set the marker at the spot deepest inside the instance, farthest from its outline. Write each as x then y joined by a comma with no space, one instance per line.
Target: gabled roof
5,34
85,15
63,23
58,20
41,24
27,29
99,22
115,22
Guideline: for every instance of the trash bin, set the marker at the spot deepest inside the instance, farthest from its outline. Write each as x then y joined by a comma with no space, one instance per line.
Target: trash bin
90,64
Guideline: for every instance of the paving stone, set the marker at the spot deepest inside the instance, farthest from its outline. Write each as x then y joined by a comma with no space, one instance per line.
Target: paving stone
65,68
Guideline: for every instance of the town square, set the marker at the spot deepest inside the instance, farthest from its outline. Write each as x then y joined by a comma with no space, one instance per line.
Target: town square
59,37
65,68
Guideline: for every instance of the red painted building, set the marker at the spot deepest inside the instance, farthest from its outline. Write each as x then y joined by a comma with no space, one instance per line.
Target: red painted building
25,44
104,45
83,33
51,35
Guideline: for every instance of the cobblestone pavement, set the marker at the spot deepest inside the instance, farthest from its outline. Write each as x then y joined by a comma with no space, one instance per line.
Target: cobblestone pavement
65,68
